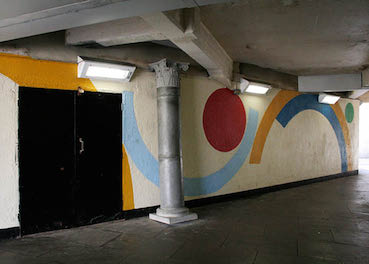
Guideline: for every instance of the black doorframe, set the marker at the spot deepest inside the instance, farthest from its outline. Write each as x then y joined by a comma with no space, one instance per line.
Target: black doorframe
49,171
99,137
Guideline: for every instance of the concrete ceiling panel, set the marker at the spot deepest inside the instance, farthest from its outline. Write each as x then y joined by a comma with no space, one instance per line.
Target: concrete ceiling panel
298,37
48,16
16,8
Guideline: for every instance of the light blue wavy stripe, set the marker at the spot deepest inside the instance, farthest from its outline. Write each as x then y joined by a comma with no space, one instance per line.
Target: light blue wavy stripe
134,144
149,166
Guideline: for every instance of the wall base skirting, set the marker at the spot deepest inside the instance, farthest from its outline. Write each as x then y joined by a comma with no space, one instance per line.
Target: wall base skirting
249,193
231,196
15,231
9,233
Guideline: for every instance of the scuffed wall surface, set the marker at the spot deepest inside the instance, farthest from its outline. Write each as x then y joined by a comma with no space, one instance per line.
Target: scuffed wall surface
9,177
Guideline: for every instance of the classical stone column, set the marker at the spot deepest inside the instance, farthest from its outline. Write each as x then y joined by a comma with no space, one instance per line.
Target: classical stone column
172,208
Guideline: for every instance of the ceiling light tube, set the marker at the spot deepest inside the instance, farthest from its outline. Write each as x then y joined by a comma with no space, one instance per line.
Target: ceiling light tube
104,70
327,98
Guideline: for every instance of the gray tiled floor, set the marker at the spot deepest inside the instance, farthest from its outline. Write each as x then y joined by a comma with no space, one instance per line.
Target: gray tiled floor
325,222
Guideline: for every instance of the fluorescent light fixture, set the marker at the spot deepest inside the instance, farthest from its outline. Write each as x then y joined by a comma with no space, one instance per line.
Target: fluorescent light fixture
251,87
327,98
104,70
258,88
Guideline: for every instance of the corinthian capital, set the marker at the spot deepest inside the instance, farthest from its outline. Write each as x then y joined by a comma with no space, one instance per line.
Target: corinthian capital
167,73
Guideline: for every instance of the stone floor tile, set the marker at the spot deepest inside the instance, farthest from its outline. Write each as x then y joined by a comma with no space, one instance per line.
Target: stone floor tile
344,236
15,258
203,253
92,237
327,223
333,251
33,247
272,259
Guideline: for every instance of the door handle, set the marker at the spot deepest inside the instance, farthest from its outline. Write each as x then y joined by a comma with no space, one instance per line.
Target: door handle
82,148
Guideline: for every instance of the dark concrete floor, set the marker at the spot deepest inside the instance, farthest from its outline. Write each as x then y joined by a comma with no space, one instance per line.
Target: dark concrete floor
325,222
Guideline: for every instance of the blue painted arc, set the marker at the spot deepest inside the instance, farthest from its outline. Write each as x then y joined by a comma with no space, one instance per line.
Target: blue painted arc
310,102
149,166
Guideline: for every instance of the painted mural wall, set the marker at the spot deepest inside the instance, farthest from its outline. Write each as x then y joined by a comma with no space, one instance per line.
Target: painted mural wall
235,143
9,190
230,142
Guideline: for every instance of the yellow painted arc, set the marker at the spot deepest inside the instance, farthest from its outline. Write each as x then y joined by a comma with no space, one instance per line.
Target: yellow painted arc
128,199
26,71
278,102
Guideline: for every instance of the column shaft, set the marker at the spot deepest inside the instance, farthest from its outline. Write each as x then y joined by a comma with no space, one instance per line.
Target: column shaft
172,208
170,162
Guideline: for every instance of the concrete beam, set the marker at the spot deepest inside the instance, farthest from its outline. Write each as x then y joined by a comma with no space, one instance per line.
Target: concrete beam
118,32
185,29
330,83
48,18
364,98
139,54
365,77
275,78
357,94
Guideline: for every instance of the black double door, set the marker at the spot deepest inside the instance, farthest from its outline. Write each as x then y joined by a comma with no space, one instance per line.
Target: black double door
70,158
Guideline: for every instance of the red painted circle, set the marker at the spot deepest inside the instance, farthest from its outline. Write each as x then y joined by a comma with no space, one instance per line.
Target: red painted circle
224,120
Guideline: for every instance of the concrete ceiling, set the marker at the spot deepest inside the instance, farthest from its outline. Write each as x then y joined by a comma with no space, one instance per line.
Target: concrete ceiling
293,36
300,37
24,18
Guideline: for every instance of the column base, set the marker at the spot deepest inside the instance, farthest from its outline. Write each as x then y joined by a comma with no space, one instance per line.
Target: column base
173,216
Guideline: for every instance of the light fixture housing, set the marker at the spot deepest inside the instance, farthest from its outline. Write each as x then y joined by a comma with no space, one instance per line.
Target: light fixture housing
243,86
258,88
327,98
252,87
107,71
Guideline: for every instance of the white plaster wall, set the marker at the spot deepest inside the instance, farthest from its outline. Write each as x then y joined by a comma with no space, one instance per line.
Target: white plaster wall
354,128
364,131
9,177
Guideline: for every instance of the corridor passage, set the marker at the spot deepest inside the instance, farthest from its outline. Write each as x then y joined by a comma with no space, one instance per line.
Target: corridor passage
326,222
364,165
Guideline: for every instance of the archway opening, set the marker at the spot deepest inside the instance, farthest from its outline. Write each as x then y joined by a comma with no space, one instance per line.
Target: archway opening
364,137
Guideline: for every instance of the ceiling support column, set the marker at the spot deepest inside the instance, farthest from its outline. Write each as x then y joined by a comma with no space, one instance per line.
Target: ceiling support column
172,208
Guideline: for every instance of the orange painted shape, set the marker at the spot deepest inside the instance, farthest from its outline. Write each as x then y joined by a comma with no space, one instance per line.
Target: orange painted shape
128,200
26,71
278,102
346,134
